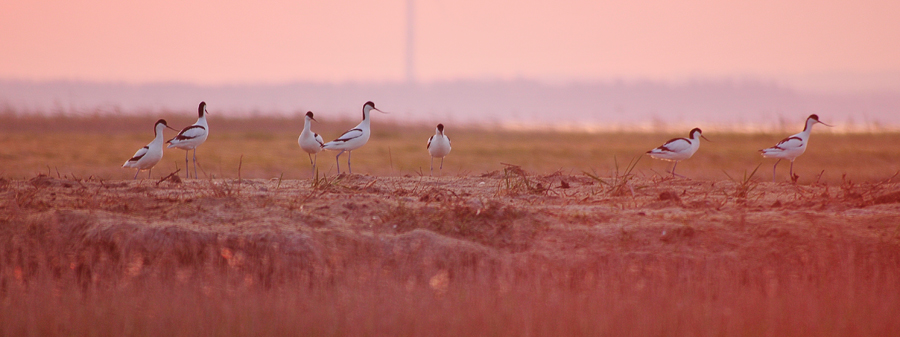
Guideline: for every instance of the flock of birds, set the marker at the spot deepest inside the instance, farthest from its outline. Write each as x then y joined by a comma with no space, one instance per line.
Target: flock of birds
312,143
790,148
438,145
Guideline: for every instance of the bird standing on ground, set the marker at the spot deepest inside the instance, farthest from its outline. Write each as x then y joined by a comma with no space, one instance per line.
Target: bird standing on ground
147,157
678,149
310,141
191,137
791,147
353,138
438,146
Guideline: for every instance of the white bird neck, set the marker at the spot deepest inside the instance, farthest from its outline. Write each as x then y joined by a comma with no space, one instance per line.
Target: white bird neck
202,121
306,125
366,110
159,133
365,121
809,124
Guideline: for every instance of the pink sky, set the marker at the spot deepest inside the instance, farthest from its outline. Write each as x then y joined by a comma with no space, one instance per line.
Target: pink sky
816,44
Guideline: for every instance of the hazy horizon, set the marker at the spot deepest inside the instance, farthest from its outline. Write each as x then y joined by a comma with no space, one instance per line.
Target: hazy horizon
598,105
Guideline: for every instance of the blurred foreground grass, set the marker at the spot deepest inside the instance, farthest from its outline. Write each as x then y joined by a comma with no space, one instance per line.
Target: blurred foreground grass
267,147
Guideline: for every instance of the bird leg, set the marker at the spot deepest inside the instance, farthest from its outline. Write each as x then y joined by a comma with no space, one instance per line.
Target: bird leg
673,171
195,163
432,165
349,169
136,173
187,171
310,158
773,169
338,162
793,177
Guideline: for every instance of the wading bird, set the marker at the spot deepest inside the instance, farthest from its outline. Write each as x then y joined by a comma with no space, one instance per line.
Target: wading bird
191,137
353,138
310,141
791,147
678,149
438,146
146,157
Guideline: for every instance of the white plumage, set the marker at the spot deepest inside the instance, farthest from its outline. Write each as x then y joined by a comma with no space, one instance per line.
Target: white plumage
438,146
353,138
791,147
148,156
191,137
310,141
678,149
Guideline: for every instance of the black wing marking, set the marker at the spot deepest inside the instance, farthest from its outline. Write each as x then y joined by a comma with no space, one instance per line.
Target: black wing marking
140,153
669,146
788,140
353,134
190,132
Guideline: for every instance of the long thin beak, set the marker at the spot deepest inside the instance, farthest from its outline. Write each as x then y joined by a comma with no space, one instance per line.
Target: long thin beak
824,124
174,129
376,109
314,119
704,137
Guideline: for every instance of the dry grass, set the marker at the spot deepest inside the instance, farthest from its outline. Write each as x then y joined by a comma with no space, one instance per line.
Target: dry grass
362,255
95,146
536,248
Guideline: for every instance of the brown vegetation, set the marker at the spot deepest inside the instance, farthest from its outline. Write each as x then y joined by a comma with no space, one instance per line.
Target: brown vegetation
505,253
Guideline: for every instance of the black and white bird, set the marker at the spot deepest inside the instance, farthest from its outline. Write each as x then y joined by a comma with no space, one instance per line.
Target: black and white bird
678,149
438,146
191,137
353,138
148,156
791,147
310,141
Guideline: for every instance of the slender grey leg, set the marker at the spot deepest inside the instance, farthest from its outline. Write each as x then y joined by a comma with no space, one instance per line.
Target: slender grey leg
792,170
149,172
186,169
349,169
310,159
442,163
195,163
432,165
337,160
773,169
136,173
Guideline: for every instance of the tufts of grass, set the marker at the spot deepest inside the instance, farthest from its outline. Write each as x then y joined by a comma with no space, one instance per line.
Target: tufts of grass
621,182
515,182
743,186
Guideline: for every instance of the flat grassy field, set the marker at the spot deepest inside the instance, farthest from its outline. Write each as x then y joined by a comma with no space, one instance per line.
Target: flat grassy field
267,148
485,249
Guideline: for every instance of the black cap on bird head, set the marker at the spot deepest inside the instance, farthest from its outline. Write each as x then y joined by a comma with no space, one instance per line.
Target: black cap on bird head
201,109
